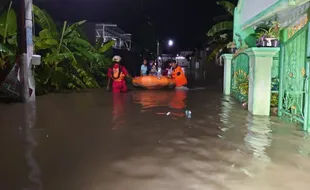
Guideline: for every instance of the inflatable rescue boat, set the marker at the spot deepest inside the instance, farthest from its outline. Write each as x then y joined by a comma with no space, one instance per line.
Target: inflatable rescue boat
153,82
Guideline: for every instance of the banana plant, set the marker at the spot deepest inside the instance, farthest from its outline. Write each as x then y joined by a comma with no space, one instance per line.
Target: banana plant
223,25
65,55
8,37
100,65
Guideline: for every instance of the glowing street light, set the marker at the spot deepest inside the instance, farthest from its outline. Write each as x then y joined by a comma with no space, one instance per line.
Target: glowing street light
170,43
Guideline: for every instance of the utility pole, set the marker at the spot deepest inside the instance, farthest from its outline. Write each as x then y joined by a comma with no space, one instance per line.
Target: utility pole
25,46
157,53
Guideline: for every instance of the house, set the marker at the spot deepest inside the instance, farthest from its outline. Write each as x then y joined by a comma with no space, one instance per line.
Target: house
113,32
271,76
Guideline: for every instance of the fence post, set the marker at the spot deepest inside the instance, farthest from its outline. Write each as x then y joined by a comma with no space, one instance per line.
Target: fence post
260,64
227,73
307,88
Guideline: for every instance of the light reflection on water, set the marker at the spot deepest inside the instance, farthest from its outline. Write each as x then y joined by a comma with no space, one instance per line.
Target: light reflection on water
97,140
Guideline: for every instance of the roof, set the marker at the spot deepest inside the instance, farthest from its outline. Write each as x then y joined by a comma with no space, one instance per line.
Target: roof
114,30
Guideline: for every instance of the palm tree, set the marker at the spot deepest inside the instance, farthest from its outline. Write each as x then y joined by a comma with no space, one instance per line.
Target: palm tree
226,25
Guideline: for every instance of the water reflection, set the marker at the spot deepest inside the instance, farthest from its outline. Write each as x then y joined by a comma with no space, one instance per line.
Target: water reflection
118,112
304,147
30,131
176,100
151,151
257,140
259,136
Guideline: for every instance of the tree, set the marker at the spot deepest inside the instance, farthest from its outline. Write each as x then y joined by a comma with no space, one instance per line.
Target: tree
221,32
226,25
8,37
68,60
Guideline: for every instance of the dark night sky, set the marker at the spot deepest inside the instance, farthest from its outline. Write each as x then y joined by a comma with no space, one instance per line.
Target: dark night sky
185,21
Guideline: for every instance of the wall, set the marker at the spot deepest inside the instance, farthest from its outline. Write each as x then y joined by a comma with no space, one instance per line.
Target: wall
244,34
251,8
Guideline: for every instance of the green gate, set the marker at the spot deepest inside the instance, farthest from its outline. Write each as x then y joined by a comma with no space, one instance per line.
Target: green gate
294,85
240,77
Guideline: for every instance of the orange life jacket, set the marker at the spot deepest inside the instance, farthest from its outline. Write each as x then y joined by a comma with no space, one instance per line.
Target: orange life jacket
179,77
117,74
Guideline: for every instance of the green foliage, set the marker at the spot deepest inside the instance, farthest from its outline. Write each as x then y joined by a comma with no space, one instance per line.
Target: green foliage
220,27
223,25
272,32
215,51
228,6
274,99
8,39
68,60
62,55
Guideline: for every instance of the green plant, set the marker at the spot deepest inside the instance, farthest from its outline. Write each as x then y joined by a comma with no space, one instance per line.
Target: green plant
244,87
8,37
69,61
226,25
272,32
274,99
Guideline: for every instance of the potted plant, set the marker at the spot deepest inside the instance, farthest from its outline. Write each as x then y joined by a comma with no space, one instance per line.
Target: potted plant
261,39
231,46
270,37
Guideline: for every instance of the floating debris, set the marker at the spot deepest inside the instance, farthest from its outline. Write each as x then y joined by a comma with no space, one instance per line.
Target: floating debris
188,113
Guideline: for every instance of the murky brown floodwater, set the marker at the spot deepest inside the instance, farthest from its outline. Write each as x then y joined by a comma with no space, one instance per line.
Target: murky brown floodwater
97,141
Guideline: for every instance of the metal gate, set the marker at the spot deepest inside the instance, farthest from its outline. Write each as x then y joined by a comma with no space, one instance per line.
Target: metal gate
240,77
294,75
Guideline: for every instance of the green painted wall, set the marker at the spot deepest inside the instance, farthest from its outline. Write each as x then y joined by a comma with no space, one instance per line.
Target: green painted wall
248,35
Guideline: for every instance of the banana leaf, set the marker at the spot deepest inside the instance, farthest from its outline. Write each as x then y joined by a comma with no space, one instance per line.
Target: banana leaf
228,6
106,46
8,24
44,20
5,49
220,27
73,28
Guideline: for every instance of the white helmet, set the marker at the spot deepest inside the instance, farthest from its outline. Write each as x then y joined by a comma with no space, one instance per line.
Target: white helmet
116,59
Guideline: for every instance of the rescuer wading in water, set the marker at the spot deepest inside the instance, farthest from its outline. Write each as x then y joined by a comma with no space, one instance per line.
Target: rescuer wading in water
117,74
178,75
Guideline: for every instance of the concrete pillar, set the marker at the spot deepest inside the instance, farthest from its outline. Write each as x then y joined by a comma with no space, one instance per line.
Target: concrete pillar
260,79
227,73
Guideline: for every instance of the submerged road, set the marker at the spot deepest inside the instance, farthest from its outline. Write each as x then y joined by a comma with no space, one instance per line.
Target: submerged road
142,140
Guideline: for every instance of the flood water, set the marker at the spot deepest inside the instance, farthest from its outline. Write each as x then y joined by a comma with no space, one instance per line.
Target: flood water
142,140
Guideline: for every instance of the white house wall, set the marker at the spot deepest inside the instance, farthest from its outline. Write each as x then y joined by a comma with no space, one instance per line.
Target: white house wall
253,7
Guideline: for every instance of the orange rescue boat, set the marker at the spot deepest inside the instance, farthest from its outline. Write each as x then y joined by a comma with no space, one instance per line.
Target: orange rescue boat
153,82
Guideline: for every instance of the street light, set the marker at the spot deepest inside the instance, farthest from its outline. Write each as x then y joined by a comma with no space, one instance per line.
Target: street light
170,43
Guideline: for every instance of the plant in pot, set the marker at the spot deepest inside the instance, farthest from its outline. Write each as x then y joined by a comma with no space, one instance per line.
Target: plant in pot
261,38
270,37
231,46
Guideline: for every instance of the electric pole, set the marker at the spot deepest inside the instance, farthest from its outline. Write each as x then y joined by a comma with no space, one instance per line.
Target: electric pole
157,52
25,47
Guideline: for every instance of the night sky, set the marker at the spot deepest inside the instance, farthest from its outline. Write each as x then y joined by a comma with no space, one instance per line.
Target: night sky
184,21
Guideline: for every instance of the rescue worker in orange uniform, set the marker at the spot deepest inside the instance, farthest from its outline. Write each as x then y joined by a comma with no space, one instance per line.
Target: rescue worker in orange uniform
117,74
178,75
